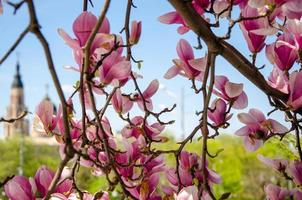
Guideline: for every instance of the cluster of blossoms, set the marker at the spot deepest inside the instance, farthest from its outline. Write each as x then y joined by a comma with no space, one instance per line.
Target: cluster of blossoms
128,155
129,159
258,20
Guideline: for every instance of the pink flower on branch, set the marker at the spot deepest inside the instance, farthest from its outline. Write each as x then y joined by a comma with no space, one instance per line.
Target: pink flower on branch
295,91
44,177
147,94
283,56
20,188
121,104
45,121
254,31
136,29
217,112
231,92
295,170
274,192
186,65
257,129
278,79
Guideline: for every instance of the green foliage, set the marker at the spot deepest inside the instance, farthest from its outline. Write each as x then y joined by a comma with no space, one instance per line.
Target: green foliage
242,174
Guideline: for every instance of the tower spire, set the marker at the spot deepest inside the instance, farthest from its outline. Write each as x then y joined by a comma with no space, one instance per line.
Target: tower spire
17,82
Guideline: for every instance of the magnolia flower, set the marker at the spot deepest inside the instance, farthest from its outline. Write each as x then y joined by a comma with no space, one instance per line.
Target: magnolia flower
277,164
295,170
274,192
121,104
252,28
293,27
147,94
187,193
43,179
217,112
146,190
257,128
84,24
136,29
114,67
45,121
135,130
295,91
283,56
186,65
292,9
19,188
190,167
174,18
232,92
278,79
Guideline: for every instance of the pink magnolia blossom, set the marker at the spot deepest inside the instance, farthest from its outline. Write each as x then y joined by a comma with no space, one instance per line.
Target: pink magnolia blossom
295,91
114,67
283,56
147,94
274,192
186,65
252,28
292,9
187,193
45,121
121,104
278,79
257,128
295,170
136,29
84,24
19,188
190,167
152,131
232,92
217,112
277,164
293,27
146,190
43,179
174,18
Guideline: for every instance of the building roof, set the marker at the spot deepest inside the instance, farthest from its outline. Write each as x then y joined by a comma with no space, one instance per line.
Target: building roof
17,82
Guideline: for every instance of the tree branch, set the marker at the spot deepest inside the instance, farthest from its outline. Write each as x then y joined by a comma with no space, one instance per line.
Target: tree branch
223,48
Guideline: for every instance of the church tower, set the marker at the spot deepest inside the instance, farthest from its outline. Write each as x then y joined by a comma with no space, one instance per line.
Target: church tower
16,108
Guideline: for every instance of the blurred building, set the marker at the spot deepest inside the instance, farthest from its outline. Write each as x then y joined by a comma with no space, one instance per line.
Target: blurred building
16,108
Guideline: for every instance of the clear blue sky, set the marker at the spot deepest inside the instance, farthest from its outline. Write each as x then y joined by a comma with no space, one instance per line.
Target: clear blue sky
156,49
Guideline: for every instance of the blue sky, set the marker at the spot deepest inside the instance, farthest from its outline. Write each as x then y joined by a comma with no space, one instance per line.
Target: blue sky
156,49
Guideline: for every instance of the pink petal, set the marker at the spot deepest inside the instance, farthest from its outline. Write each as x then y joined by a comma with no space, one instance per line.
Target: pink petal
199,63
72,43
119,71
247,118
233,89
172,72
83,26
151,89
184,50
244,131
241,102
182,30
252,145
170,18
257,114
277,127
220,82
